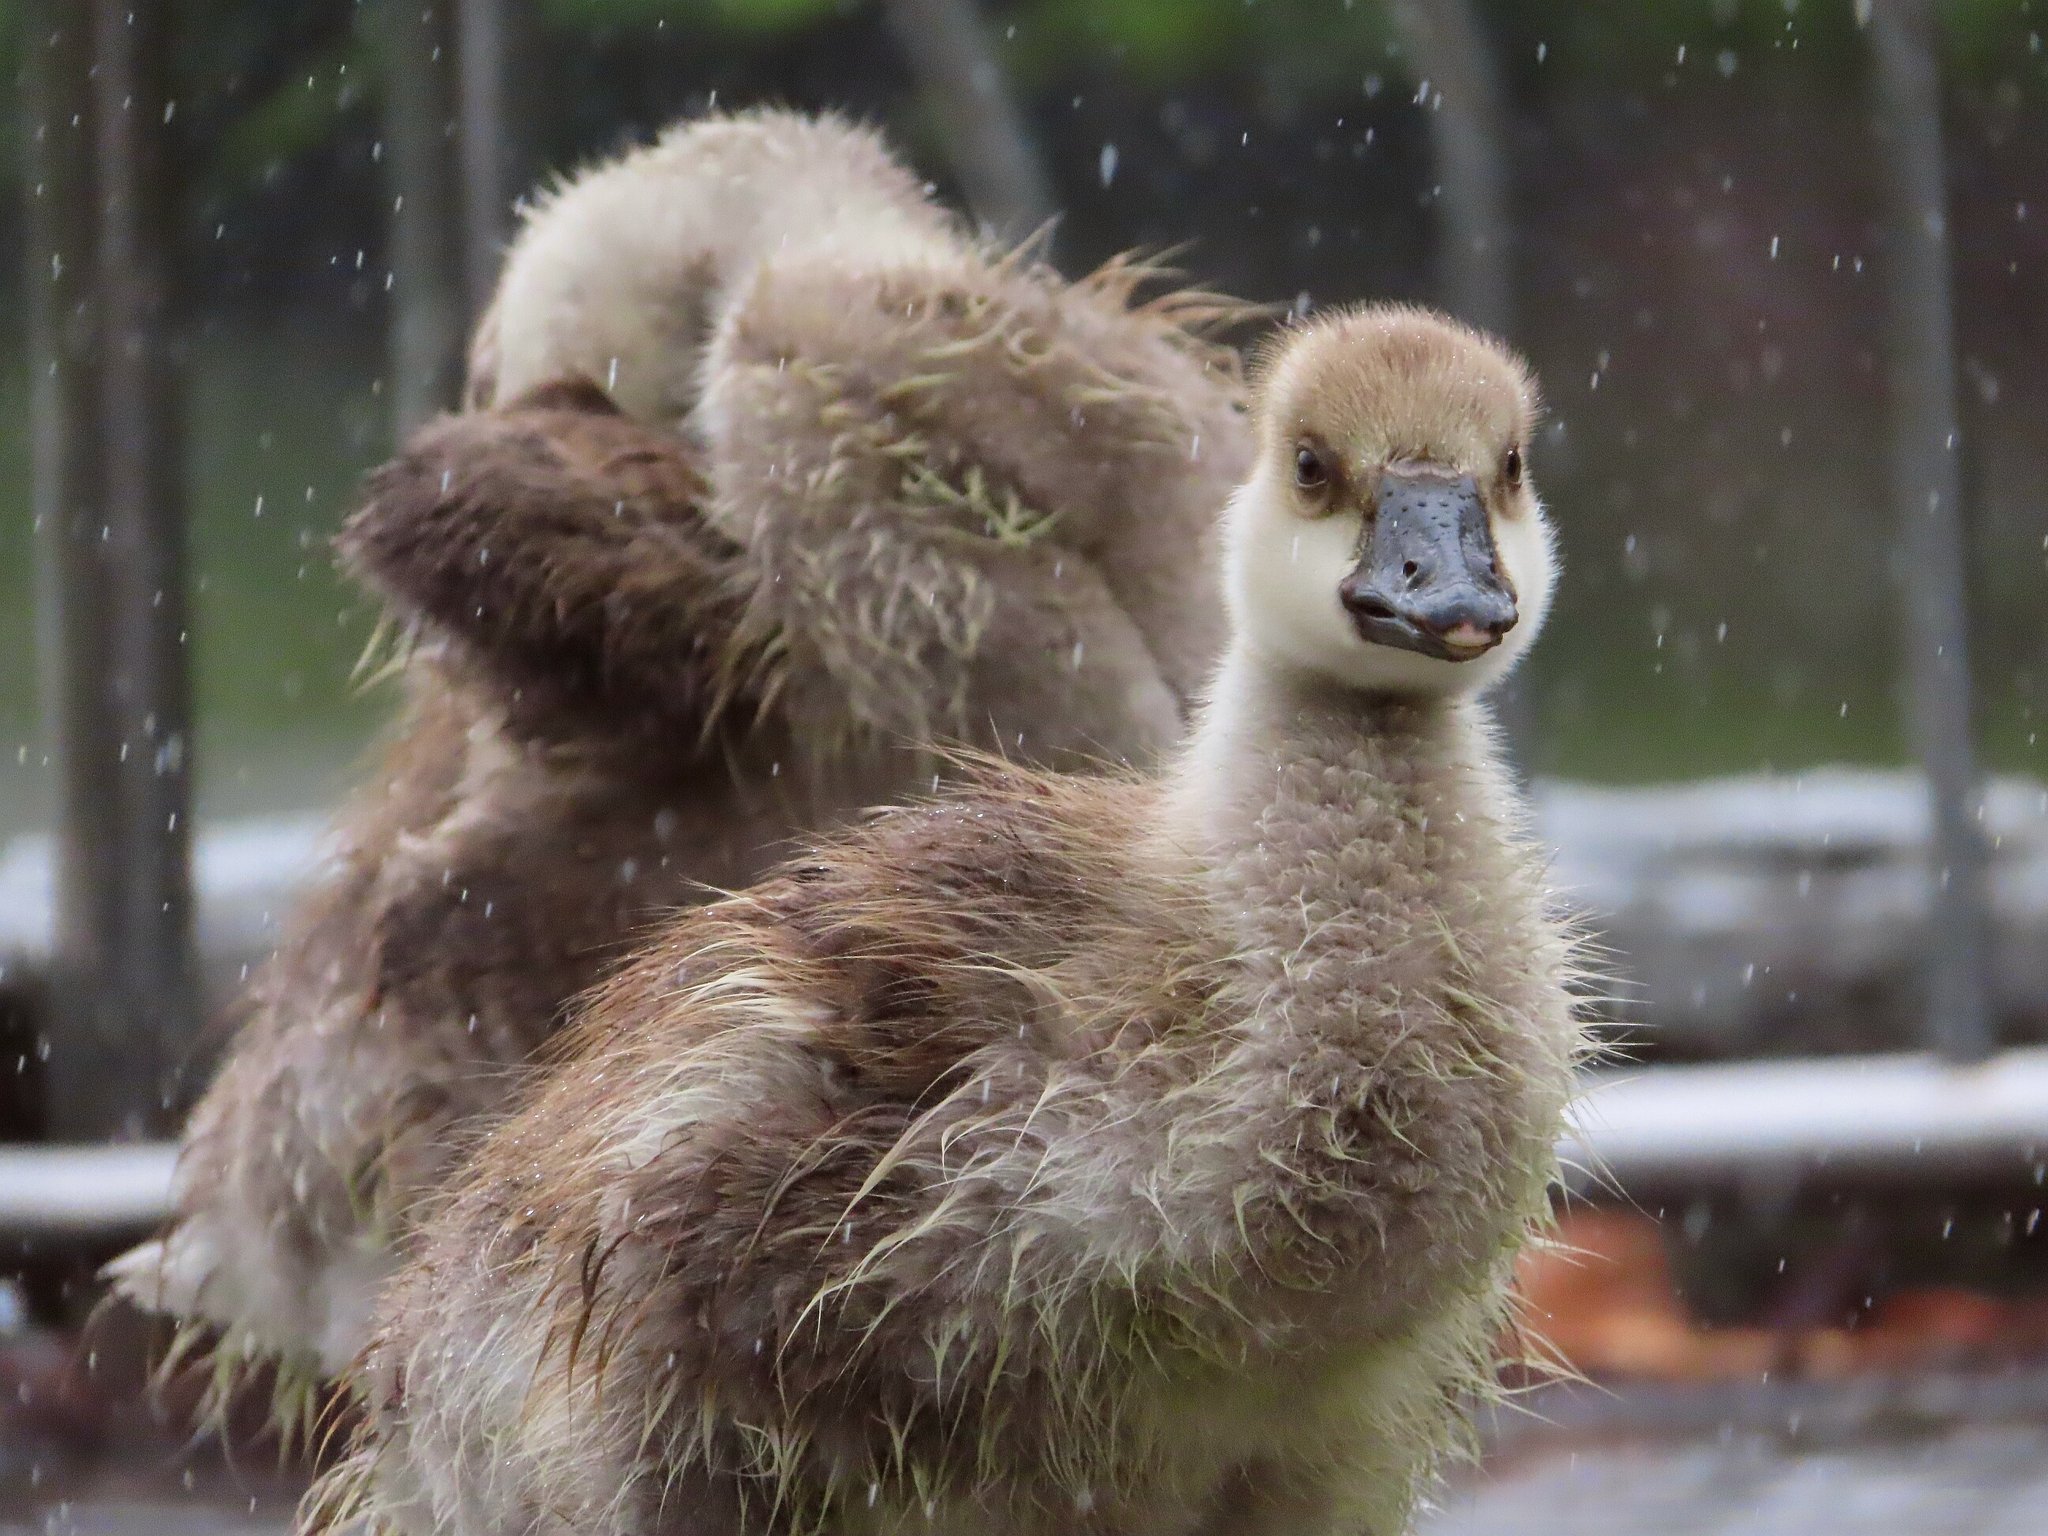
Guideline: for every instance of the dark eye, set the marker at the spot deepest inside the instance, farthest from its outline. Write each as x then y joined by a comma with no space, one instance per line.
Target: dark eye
1512,466
1309,471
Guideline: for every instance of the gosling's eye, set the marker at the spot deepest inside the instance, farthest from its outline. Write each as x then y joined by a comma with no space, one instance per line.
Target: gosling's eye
1511,467
1309,471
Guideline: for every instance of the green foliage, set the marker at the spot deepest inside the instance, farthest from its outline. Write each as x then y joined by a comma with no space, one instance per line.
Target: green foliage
297,115
758,16
1313,43
12,148
1314,47
1997,42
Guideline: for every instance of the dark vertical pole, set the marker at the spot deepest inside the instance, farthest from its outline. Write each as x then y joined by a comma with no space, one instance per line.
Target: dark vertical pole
414,41
1927,493
986,136
1468,138
110,562
142,404
73,566
484,52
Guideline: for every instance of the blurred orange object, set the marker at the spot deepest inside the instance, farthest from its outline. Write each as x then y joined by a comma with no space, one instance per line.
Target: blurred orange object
1601,1300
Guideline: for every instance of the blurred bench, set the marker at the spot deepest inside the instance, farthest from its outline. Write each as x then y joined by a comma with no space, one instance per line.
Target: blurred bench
1748,918
1788,916
1898,1119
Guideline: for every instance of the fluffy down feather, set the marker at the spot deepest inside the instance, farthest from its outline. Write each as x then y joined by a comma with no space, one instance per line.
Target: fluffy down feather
773,477
1128,1154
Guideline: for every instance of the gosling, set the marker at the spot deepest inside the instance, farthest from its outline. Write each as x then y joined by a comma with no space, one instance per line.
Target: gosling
773,477
1142,1154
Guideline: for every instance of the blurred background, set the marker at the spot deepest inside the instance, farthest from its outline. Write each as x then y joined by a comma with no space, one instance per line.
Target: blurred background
1782,266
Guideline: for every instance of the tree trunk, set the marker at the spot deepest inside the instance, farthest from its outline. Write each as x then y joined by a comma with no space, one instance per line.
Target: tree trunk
111,563
72,567
484,53
985,134
415,51
1468,138
143,402
1927,503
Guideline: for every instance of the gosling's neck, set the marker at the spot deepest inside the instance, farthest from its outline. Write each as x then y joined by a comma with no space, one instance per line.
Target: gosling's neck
1263,717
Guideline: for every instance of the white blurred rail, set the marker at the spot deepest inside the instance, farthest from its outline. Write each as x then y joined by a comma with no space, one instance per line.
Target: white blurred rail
1902,1119
1748,915
74,1192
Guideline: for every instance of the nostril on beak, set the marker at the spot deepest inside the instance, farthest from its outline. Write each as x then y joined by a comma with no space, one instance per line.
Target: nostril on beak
1368,602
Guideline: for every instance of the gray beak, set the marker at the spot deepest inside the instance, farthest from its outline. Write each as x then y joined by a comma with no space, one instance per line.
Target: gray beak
1428,577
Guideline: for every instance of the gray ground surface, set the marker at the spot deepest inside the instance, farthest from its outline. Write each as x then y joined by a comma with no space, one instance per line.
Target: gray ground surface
1976,1483
136,1505
1940,1455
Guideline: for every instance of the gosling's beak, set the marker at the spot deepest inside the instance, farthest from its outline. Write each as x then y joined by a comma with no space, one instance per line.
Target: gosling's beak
1428,578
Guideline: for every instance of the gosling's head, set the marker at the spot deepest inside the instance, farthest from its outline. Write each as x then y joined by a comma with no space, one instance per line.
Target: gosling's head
1389,537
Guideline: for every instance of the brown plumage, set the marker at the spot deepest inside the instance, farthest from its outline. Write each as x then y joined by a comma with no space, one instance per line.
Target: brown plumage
773,478
566,548
1141,1154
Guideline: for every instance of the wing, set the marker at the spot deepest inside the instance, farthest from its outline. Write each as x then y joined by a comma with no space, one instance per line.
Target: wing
563,546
